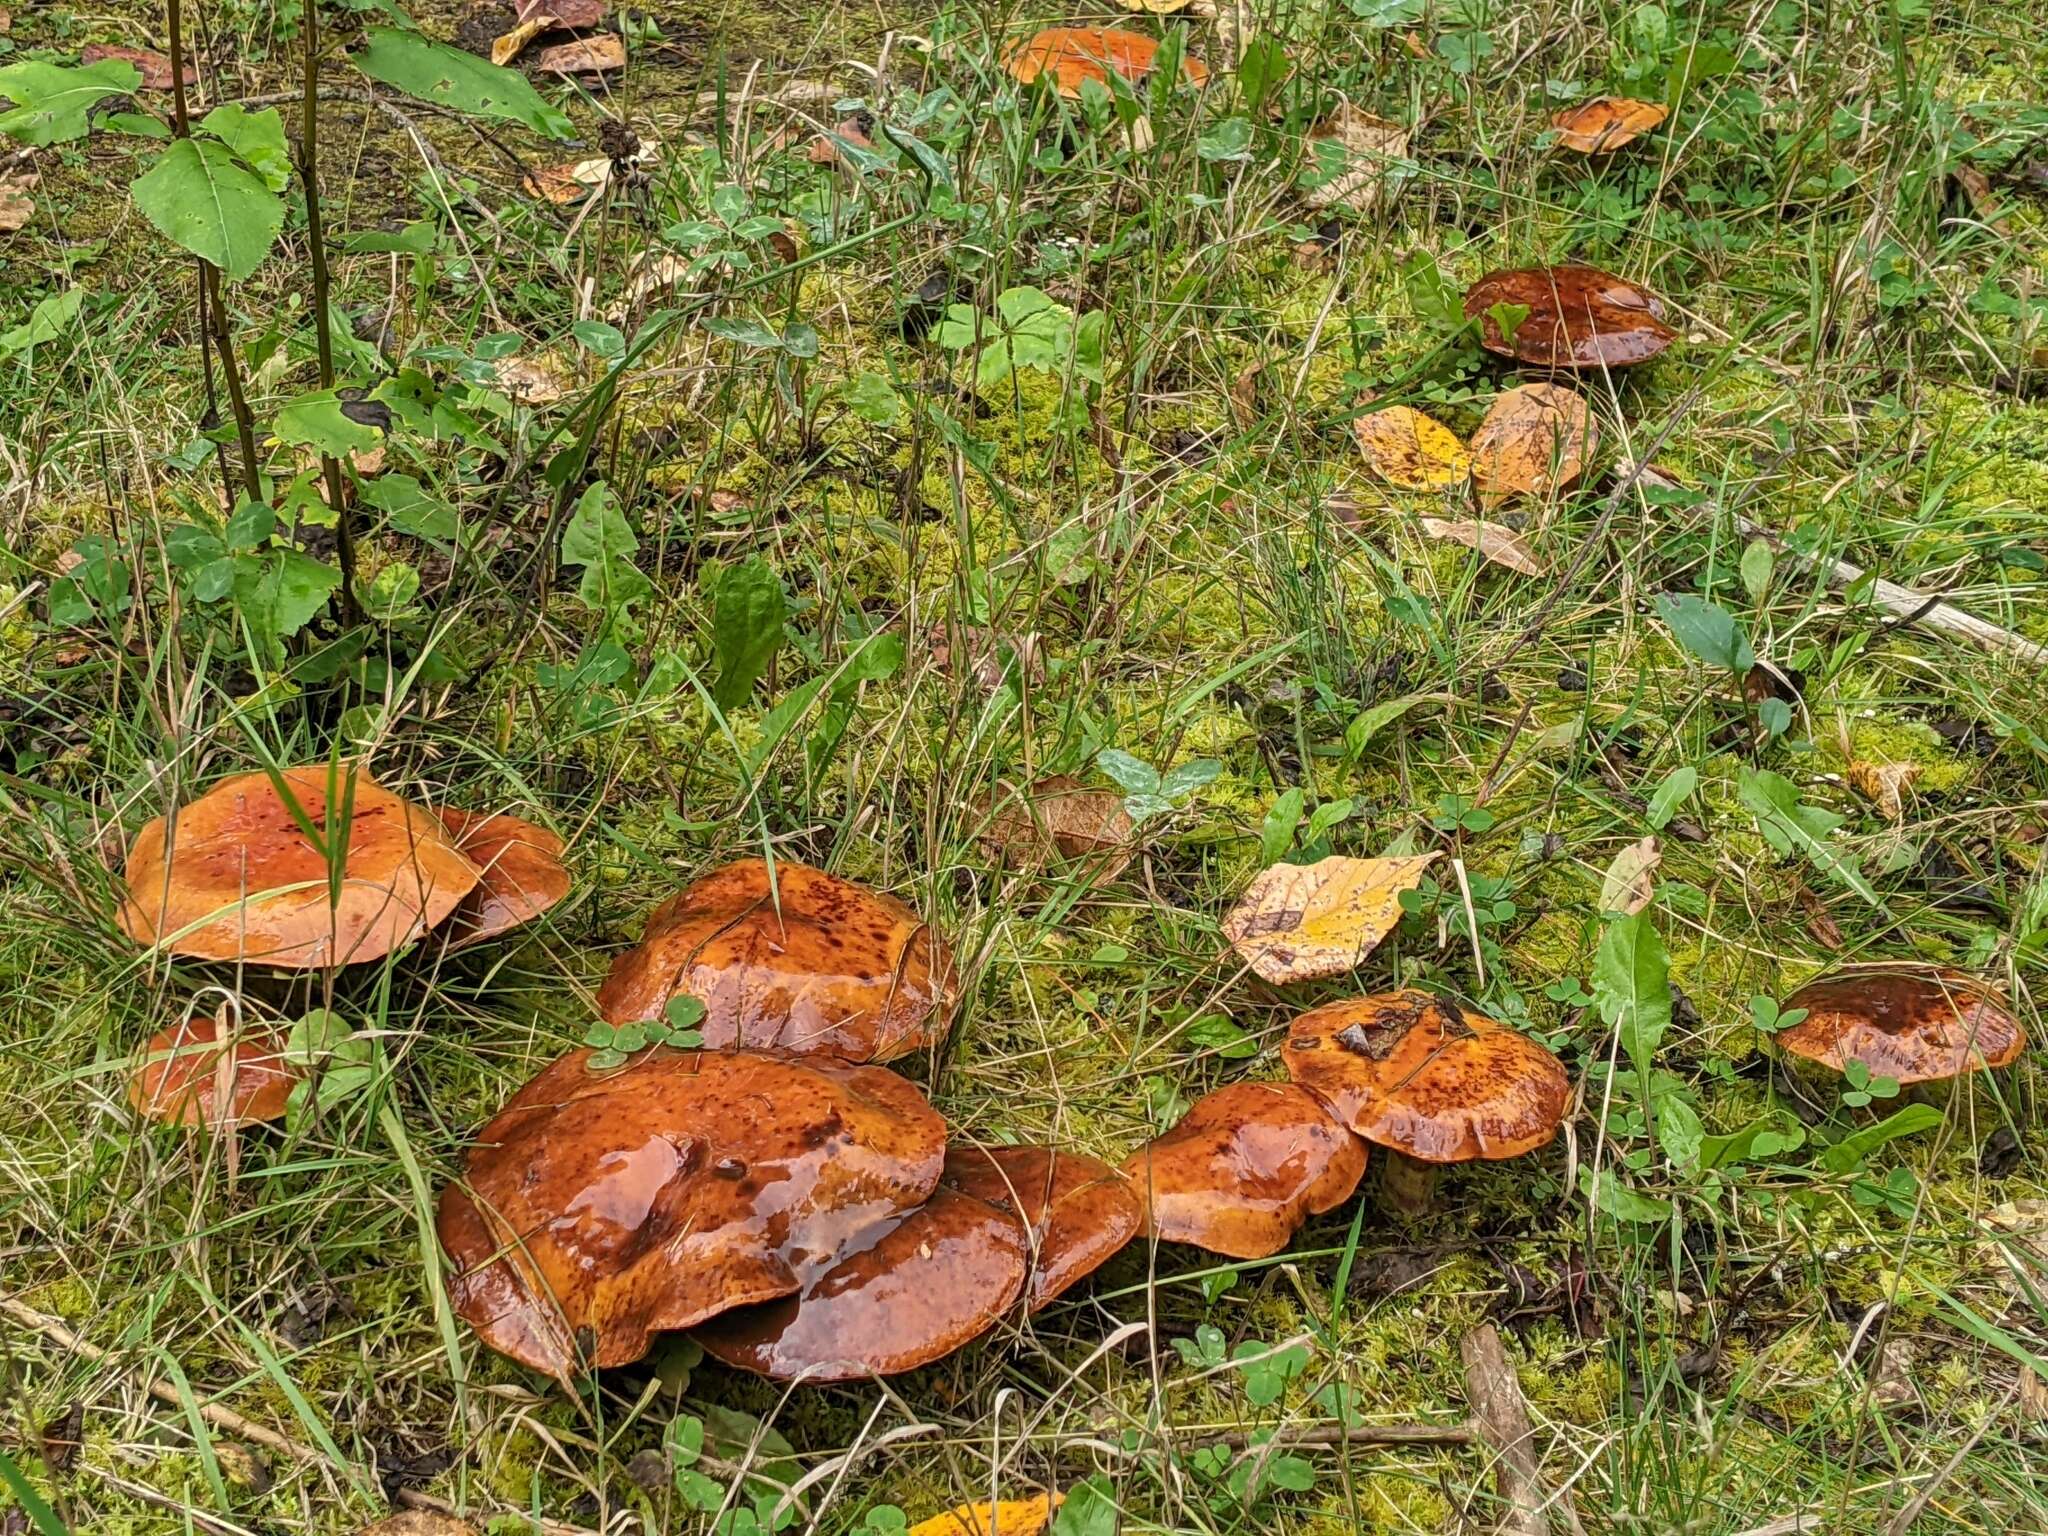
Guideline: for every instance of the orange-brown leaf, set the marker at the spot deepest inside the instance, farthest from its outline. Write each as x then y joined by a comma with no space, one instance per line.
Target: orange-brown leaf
597,55
1536,438
1606,122
1007,1517
1411,450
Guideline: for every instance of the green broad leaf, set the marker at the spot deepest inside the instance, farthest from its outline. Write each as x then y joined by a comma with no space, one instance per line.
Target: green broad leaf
599,538
1276,832
1230,139
1368,723
1261,68
52,102
414,239
1632,986
746,628
1756,567
250,524
1791,826
257,137
1131,775
1676,789
30,1501
317,420
1679,1131
48,321
202,198
449,77
1758,1142
1224,1038
1848,1154
141,124
1707,630
411,507
872,398
742,331
1267,1370
1621,1202
297,587
1189,777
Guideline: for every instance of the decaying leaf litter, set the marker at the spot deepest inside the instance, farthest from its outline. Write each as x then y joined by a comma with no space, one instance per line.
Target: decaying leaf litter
654,597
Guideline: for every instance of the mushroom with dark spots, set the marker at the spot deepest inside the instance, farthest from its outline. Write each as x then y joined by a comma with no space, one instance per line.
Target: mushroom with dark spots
807,962
1912,1023
936,1278
1077,1212
203,1072
1244,1168
601,1207
1579,317
520,871
234,876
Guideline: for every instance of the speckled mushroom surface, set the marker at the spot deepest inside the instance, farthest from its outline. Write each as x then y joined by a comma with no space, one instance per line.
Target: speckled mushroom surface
808,963
1914,1024
1421,1075
600,1207
1244,1168
1077,1212
519,868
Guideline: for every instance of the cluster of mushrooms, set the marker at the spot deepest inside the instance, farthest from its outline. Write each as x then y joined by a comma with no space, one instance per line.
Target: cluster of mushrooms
772,1186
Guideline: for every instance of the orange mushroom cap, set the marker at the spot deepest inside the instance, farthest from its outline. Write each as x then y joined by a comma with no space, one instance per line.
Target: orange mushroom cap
1914,1024
1428,1078
1072,55
181,1076
1077,1212
1579,317
601,1207
939,1278
1602,123
239,880
816,965
520,871
1244,1168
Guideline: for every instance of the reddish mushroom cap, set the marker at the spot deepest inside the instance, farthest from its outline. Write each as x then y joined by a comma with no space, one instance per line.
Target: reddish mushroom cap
1428,1078
815,965
938,1278
1913,1024
181,1075
1078,1212
239,879
1579,317
1073,55
1244,1168
520,869
601,1207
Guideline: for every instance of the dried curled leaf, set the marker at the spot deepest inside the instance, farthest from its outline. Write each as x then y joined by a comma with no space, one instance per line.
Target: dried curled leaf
1606,122
508,46
1503,546
1884,785
17,207
1629,884
528,380
1370,147
1007,1517
1298,921
598,55
1058,818
1536,438
1411,450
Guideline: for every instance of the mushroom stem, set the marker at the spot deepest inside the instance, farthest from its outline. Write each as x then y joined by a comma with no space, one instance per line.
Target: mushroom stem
1407,1184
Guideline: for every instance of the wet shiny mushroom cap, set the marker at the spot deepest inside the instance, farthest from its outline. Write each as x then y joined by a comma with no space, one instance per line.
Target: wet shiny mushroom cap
1914,1024
1244,1168
200,1073
601,1207
936,1279
520,869
239,879
1579,317
816,965
1073,55
1077,1212
1428,1078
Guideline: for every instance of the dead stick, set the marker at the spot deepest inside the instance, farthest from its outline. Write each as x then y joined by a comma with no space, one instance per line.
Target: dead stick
1501,1415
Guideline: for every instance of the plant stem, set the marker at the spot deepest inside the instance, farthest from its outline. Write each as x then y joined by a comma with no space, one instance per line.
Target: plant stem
309,163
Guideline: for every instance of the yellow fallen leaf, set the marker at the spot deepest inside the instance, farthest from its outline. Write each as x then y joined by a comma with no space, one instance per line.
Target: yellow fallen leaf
1009,1517
508,47
1535,439
1627,887
1153,7
1411,450
1501,545
1297,921
1884,784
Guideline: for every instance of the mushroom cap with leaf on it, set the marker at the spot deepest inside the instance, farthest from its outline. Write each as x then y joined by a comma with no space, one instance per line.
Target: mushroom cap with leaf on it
234,876
204,1072
1428,1079
1910,1023
519,867
1578,317
1077,1212
1241,1171
600,1207
803,961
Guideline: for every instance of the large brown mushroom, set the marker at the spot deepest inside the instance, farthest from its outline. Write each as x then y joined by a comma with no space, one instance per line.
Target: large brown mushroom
235,877
1430,1081
1078,1212
808,963
600,1207
1579,317
938,1279
520,869
1244,1168
201,1072
1912,1023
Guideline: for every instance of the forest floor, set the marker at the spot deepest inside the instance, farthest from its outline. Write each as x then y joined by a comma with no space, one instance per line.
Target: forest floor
1157,534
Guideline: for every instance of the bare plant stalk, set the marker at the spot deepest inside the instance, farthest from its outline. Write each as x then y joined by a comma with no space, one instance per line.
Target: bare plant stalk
309,177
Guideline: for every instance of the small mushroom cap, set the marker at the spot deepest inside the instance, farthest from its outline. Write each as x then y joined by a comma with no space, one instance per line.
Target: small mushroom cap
1077,1212
1428,1078
179,1076
1072,55
239,880
601,1207
1579,317
938,1278
1602,123
1914,1024
1244,1168
819,965
520,868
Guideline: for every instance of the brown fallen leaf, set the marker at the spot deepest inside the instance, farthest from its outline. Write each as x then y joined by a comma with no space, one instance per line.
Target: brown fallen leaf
16,206
1977,190
1244,397
1536,438
62,1437
1821,926
418,1522
1299,921
598,55
571,182
1059,818
1884,785
1629,884
509,46
528,380
573,15
1006,1517
1501,545
1606,122
154,67
1411,450
1370,147
824,148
